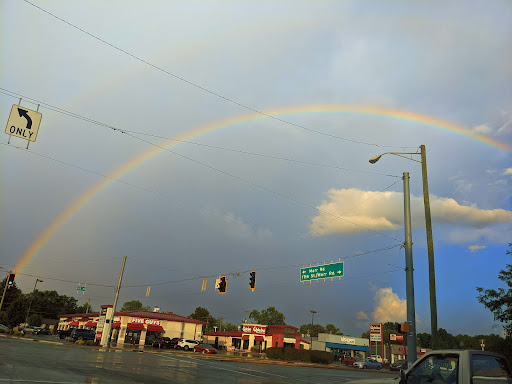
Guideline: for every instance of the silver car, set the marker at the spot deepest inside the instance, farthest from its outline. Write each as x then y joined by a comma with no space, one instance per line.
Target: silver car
368,364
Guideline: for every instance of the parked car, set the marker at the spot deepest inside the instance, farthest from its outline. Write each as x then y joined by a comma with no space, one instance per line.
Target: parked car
4,327
347,360
30,329
174,342
163,342
398,365
83,334
367,364
63,333
205,348
187,344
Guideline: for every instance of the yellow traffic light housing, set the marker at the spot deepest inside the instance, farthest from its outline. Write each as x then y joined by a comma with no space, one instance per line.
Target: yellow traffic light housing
223,285
252,281
10,279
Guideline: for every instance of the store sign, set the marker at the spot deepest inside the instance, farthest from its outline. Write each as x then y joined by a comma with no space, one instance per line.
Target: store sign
254,329
395,337
375,331
348,340
138,320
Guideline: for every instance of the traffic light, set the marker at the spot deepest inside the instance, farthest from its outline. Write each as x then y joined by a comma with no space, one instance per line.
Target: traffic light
223,285
252,281
403,328
10,279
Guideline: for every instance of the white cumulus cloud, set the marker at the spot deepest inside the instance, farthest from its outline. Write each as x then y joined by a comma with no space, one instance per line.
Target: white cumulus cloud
362,316
508,171
475,248
384,211
389,307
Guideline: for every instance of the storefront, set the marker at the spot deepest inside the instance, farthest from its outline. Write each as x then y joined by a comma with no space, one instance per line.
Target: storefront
342,345
256,338
136,327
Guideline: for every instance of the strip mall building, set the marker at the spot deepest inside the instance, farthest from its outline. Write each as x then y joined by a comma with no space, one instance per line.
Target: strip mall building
136,327
257,336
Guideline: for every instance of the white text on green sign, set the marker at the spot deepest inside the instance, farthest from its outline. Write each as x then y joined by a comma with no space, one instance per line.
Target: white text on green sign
79,288
322,272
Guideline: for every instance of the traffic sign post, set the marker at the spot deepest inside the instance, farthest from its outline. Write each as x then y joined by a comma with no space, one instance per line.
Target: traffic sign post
80,288
326,271
23,123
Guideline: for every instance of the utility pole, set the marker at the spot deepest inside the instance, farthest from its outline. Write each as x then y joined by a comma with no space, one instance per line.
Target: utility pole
88,305
220,323
5,289
430,249
409,274
312,318
245,316
30,302
115,303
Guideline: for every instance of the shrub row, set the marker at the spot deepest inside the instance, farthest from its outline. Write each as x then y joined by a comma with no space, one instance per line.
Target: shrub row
293,354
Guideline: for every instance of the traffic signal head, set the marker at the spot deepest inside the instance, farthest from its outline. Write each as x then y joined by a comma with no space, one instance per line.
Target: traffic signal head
10,279
223,285
403,328
252,281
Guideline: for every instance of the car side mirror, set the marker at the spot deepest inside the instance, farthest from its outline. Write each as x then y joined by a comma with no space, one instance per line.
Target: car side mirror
403,379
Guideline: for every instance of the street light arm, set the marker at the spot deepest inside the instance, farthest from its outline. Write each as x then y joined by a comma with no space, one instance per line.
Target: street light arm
373,160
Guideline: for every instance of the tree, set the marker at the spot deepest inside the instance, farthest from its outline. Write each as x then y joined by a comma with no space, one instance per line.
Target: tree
229,327
201,314
134,305
332,329
85,308
269,316
50,304
424,340
499,302
35,320
306,329
16,312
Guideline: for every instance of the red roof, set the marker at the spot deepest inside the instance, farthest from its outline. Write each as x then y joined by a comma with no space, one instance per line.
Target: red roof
283,326
225,333
159,316
143,314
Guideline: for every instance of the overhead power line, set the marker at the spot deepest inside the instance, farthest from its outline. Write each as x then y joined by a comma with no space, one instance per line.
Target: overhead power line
122,130
248,182
202,88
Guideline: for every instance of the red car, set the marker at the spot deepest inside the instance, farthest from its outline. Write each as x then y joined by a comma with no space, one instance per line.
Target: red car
347,360
204,348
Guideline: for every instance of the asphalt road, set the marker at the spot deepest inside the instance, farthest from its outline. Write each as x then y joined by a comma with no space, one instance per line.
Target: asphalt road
26,361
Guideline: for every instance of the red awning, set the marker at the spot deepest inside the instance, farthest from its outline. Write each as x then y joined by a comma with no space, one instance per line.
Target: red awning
116,324
259,338
245,337
84,319
91,324
74,323
155,328
135,326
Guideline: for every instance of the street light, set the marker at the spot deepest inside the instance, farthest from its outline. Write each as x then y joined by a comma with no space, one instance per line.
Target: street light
430,241
312,318
30,303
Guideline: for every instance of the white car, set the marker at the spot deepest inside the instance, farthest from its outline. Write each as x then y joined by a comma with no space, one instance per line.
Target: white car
187,344
368,364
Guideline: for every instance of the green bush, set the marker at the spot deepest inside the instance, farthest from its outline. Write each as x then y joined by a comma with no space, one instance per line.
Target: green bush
91,342
17,333
319,357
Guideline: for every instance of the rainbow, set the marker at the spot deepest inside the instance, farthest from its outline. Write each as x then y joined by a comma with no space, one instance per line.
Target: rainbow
403,115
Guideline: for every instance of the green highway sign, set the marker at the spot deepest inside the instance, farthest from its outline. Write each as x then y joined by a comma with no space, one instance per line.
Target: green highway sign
80,288
326,271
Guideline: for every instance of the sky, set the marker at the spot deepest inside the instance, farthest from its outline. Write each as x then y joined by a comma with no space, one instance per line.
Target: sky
207,138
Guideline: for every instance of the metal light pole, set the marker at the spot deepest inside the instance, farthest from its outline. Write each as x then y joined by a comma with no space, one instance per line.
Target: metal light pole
312,318
30,303
5,288
430,241
409,274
